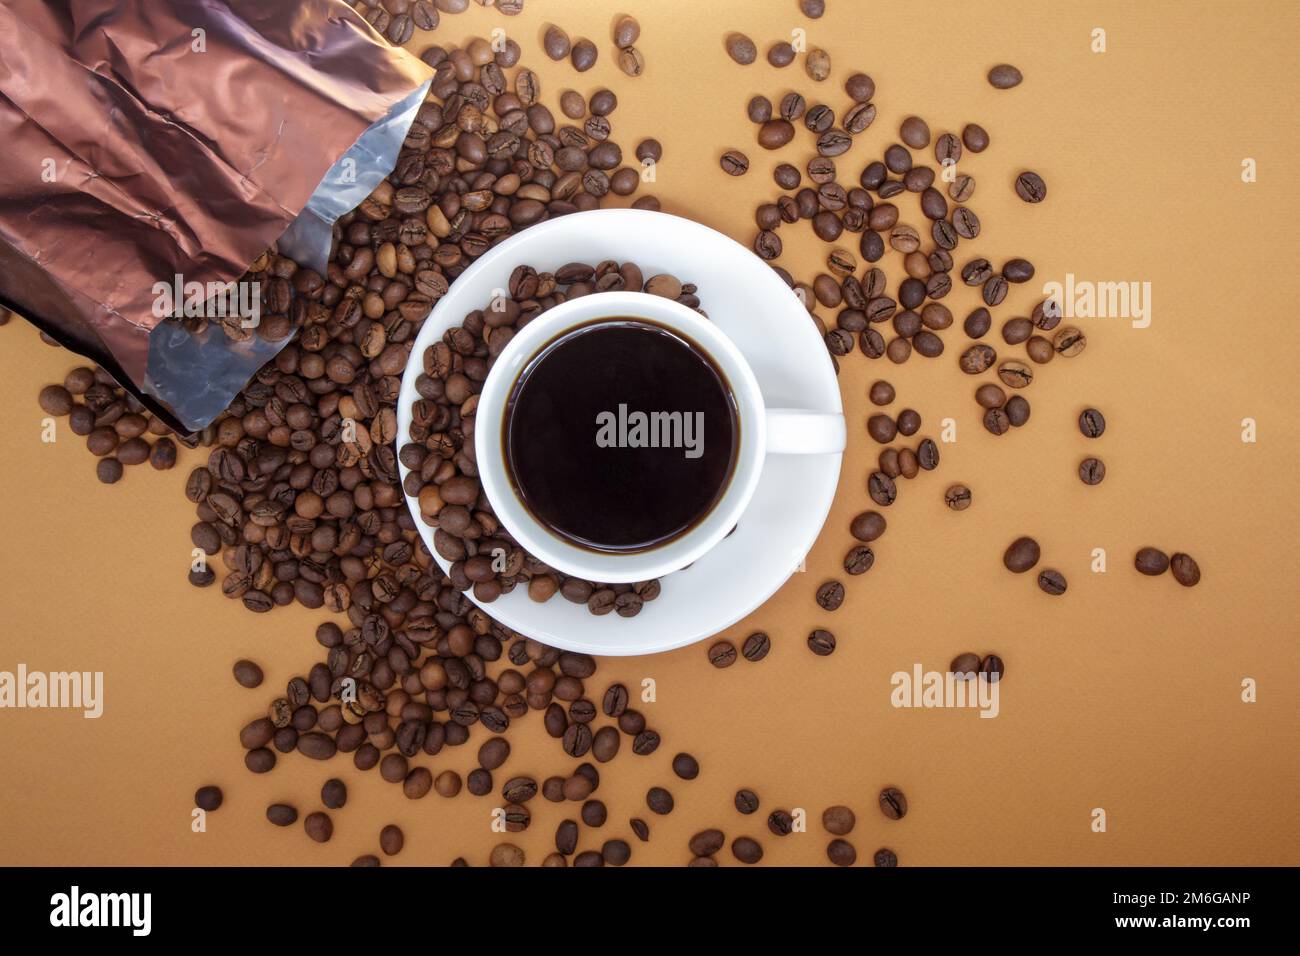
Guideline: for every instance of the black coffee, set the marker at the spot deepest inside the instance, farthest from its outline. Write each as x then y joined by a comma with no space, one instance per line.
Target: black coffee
620,435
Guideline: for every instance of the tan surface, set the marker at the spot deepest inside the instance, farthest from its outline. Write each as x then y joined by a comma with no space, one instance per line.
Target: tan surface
1123,694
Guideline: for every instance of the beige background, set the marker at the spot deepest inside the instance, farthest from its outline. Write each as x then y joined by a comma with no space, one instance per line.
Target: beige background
1123,694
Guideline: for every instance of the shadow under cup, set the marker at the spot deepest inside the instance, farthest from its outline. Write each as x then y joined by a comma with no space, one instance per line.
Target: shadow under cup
620,435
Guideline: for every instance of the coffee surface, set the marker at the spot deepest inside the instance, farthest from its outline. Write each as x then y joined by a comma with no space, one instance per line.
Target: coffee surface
620,435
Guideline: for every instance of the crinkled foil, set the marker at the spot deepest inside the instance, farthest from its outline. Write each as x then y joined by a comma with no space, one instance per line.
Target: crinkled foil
146,140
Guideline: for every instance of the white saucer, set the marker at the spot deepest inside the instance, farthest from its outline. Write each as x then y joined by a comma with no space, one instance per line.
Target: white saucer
747,300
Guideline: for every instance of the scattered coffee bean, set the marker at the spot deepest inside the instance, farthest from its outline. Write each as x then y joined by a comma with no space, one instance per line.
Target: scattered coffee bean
319,826
391,840
957,497
208,798
841,852
247,674
722,654
965,665
780,54
735,163
859,560
746,801
867,526
742,49
838,820
885,857
1092,471
892,803
1004,76
1185,569
746,850
1151,561
992,668
281,814
659,801
830,595
686,766
1022,555
821,643
1030,187
1051,581
1092,423
756,646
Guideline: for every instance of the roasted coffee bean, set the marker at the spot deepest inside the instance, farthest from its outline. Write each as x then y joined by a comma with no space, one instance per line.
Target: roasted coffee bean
861,88
821,643
775,133
1017,409
965,665
831,594
1004,76
885,857
281,814
977,359
556,43
1092,423
583,55
881,488
1069,341
1017,330
1185,569
997,421
841,852
957,497
927,454
707,842
208,798
1092,471
961,189
1015,374
975,137
859,560
1051,581
743,50
892,803
334,794
989,395
915,132
882,428
1151,561
686,766
247,674
977,324
881,393
909,422
756,646
735,163
746,850
780,822
759,110
1030,187
1021,555
780,54
722,654
645,743
319,826
947,149
659,801
1039,350
868,526
626,32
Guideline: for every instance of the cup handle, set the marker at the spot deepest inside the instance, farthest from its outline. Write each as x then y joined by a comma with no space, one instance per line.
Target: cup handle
799,431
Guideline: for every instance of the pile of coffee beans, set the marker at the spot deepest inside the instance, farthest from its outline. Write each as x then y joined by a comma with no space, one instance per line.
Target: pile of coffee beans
117,428
397,20
440,452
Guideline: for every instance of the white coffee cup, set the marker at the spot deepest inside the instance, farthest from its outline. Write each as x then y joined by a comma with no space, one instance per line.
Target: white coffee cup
763,431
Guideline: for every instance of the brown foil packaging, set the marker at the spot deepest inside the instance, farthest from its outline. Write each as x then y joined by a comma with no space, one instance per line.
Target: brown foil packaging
151,145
